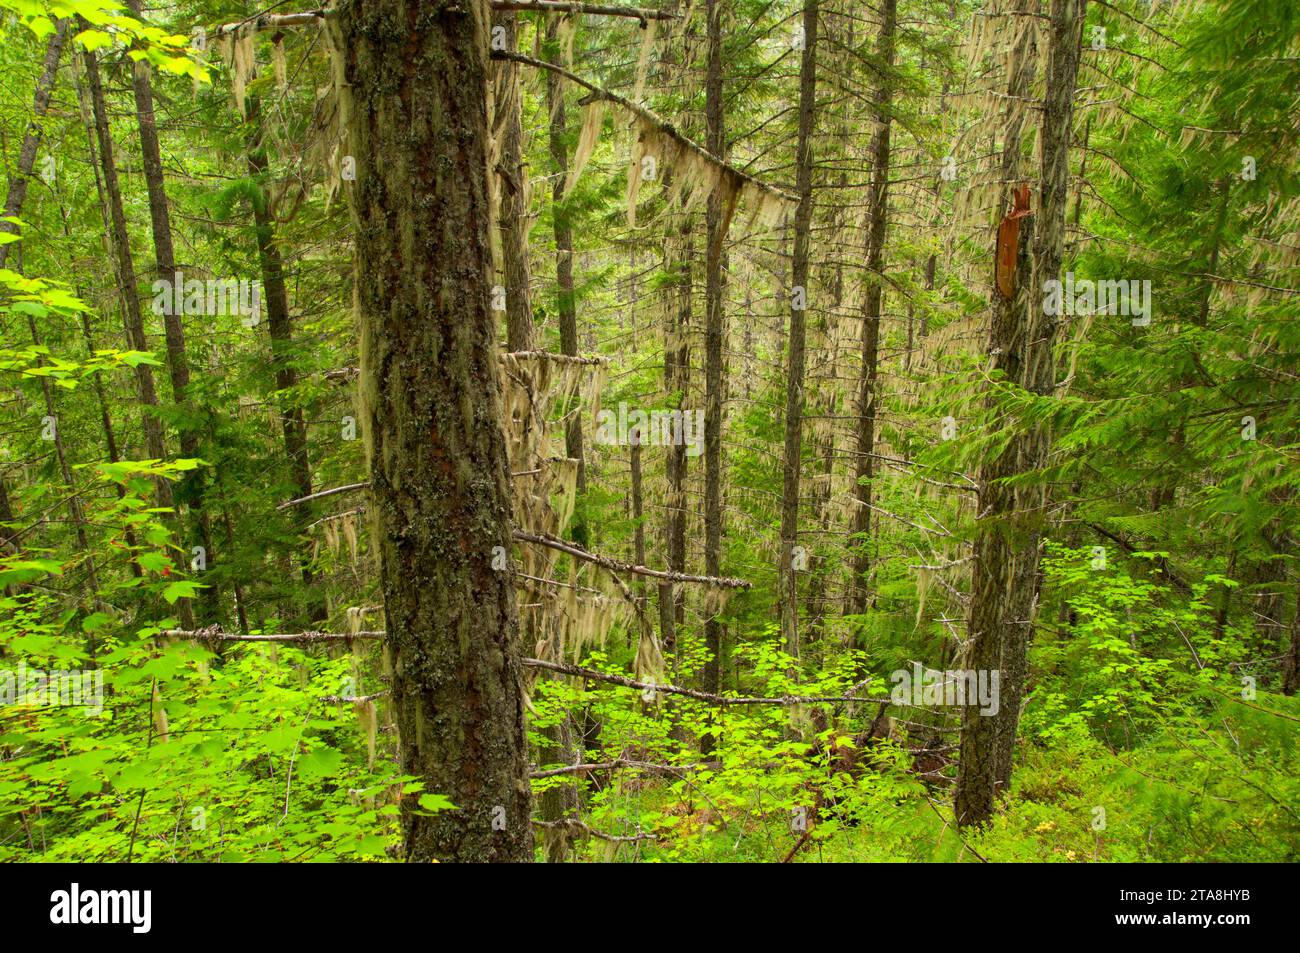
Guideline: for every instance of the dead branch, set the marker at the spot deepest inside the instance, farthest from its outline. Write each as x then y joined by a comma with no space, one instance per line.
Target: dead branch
740,178
617,566
323,493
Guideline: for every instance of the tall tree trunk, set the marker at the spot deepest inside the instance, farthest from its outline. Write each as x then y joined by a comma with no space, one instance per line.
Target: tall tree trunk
191,489
17,192
512,216
677,458
75,511
565,301
995,574
1164,494
864,470
279,326
106,421
677,358
88,338
1039,370
132,316
716,224
799,298
1291,657
120,240
431,395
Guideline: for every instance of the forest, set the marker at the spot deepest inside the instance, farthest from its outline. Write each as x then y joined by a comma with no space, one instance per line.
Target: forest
766,431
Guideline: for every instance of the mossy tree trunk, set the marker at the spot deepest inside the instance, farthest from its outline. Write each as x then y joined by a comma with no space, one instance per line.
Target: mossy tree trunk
998,577
416,75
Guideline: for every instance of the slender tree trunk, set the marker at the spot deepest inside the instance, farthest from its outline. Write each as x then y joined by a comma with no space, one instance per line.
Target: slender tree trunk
75,510
132,316
677,458
1164,494
716,224
120,240
512,216
17,191
431,398
279,325
192,488
566,303
1291,658
864,471
799,297
6,517
677,356
101,398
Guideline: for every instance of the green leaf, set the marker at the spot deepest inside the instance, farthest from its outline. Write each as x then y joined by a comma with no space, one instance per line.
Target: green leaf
182,588
435,803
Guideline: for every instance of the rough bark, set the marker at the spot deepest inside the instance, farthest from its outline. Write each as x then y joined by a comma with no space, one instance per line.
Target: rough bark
997,574
1039,370
878,220
417,73
797,338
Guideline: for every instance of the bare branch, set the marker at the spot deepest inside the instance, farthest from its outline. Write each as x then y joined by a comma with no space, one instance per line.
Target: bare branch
741,178
323,493
616,566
